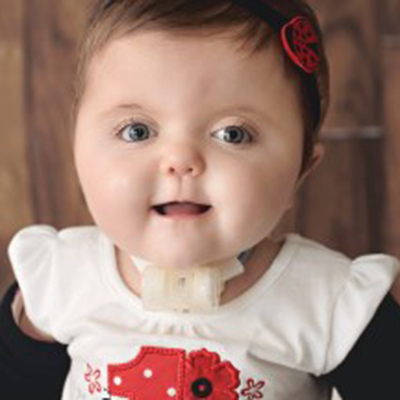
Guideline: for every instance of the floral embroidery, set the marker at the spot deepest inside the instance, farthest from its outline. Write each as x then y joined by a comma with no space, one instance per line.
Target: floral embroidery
253,389
92,377
208,377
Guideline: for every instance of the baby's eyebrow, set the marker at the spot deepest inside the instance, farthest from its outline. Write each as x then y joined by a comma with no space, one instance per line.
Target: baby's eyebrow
231,109
128,106
121,107
242,108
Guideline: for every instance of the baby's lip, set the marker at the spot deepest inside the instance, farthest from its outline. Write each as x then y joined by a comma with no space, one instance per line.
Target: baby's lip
181,202
161,208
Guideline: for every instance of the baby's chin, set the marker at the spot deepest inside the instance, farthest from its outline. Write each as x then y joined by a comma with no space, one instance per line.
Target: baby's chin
171,253
182,261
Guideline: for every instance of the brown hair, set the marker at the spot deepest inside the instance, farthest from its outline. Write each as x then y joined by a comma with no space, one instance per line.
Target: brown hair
107,20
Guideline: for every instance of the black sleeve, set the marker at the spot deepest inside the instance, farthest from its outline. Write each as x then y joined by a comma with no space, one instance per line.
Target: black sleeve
29,369
371,371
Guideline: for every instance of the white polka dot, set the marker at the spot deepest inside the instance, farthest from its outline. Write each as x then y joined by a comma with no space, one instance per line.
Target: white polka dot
117,380
171,392
148,373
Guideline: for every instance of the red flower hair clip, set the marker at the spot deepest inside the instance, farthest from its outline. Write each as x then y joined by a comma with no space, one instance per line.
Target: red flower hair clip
301,43
298,35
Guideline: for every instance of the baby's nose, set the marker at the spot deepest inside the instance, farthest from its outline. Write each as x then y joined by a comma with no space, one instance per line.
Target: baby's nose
182,161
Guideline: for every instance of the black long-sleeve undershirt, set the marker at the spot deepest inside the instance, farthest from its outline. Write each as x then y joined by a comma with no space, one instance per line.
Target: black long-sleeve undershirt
29,369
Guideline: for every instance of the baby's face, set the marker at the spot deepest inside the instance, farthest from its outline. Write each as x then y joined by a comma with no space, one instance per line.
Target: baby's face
161,120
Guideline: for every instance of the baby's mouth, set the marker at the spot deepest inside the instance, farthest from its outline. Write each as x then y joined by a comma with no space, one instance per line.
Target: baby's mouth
181,209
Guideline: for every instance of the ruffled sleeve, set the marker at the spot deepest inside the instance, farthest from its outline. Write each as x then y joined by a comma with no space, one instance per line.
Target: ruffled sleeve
370,278
31,252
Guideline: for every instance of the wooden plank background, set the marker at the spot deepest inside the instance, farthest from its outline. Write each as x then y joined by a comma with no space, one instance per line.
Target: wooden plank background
351,203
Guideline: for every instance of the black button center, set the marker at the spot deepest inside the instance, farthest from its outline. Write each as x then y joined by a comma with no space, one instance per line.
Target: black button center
202,388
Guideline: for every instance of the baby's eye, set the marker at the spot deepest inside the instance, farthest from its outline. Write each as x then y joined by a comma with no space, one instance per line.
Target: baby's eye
235,134
135,132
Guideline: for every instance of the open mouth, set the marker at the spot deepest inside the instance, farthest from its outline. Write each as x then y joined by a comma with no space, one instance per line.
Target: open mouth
181,209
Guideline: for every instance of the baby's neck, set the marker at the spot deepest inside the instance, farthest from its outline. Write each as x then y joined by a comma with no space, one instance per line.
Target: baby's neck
255,266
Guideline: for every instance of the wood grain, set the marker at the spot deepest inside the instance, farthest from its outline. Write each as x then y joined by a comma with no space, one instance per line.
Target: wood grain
52,30
14,191
388,12
352,38
391,58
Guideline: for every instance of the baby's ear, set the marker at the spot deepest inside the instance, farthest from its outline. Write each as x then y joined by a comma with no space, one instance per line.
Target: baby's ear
318,154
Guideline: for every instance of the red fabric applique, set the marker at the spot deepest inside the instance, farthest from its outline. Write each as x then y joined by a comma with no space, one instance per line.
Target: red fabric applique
208,377
253,389
156,373
165,374
93,376
301,43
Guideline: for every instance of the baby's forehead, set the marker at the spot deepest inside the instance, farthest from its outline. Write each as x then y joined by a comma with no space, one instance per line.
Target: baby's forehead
188,43
193,55
175,68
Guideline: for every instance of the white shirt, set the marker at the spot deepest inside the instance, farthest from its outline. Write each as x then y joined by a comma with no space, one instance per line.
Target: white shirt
300,320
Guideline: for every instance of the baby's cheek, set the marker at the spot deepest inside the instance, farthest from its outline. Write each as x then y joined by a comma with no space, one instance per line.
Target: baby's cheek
111,195
116,201
270,194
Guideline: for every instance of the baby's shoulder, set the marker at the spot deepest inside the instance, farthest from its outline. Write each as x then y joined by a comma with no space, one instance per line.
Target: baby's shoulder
36,240
42,233
53,268
329,299
43,253
323,264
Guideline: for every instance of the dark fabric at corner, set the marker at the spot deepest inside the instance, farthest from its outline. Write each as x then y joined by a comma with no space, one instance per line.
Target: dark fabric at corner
36,370
371,371
28,369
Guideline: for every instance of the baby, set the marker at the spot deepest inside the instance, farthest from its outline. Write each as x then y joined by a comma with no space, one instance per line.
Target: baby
196,123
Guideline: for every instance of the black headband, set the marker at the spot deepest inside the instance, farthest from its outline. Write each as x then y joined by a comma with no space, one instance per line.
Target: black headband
107,3
299,40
